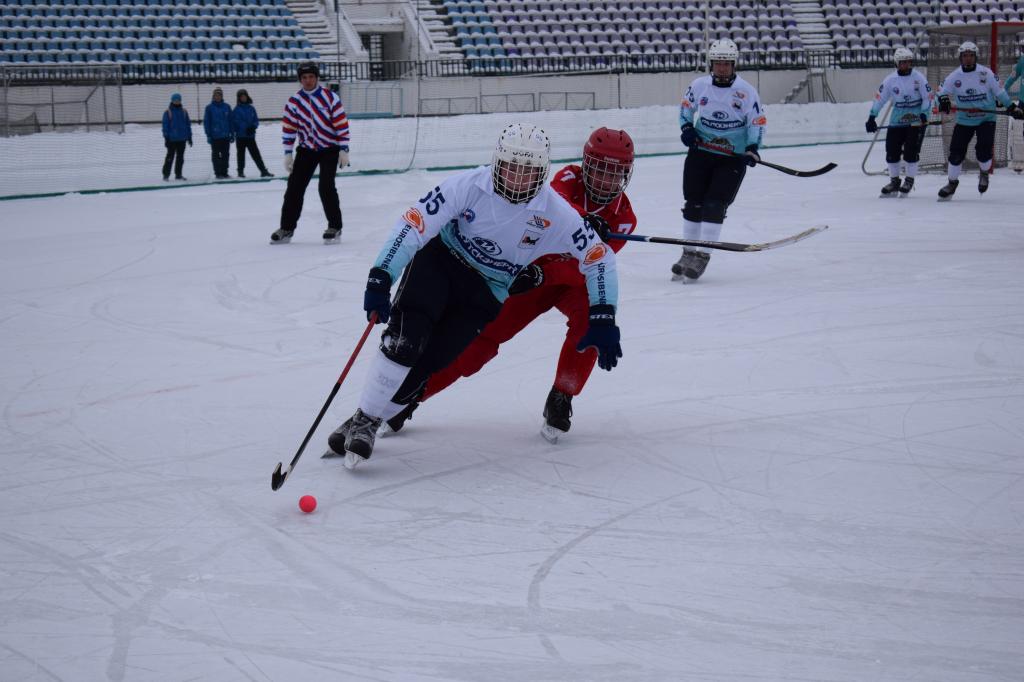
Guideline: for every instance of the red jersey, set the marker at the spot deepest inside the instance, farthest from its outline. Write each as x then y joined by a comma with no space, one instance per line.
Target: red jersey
568,182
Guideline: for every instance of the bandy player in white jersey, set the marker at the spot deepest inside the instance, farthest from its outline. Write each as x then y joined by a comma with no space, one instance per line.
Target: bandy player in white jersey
975,90
911,103
459,251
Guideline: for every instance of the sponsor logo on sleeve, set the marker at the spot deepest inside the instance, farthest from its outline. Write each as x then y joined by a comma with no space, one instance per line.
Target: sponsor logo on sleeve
760,120
414,219
596,253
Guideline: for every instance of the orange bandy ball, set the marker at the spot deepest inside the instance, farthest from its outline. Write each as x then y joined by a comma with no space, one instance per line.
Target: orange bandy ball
307,503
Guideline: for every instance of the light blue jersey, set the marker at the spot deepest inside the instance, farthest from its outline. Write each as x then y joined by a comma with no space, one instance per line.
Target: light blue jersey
911,96
727,120
1017,77
972,91
497,238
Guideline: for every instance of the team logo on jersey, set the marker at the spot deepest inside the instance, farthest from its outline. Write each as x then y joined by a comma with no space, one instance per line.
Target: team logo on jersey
703,101
738,106
595,254
414,219
529,240
896,91
539,223
957,84
488,246
740,94
720,115
468,215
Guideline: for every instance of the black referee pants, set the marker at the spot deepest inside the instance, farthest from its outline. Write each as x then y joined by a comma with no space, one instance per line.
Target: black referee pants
307,161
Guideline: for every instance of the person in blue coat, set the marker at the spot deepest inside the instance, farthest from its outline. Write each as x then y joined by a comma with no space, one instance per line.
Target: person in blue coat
217,125
244,123
177,127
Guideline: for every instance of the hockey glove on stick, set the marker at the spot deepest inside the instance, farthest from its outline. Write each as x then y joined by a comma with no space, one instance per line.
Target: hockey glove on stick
603,335
1015,110
599,225
871,125
924,120
751,157
377,298
529,278
688,135
945,106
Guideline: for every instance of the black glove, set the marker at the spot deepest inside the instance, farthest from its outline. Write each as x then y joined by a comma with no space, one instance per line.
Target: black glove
871,126
599,225
377,298
944,104
190,142
530,277
688,135
751,157
603,335
167,143
1015,110
924,119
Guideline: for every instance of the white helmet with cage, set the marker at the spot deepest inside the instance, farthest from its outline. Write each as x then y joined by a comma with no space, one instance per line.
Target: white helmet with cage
520,164
723,50
902,54
967,46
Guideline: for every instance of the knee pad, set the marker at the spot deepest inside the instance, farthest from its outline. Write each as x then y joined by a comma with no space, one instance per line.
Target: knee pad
984,155
955,159
404,339
893,158
692,211
714,211
912,157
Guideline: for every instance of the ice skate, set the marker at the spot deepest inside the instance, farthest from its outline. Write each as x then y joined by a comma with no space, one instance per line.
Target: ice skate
241,173
946,193
892,189
982,182
281,236
395,424
355,438
557,411
691,264
332,235
266,174
908,184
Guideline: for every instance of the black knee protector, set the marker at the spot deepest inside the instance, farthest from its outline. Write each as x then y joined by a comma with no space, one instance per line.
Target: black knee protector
714,211
983,155
894,158
956,158
911,156
692,211
405,338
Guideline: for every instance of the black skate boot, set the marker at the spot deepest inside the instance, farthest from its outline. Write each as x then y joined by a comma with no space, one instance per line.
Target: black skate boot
947,192
266,174
395,424
892,189
281,236
241,173
908,184
692,264
355,438
982,182
557,411
332,235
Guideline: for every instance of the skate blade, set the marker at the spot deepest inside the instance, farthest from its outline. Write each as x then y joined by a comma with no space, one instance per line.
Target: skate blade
352,460
550,433
891,195
944,198
283,240
335,240
385,431
330,454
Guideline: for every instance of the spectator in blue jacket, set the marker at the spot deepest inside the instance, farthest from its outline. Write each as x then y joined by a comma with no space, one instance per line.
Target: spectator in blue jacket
177,131
217,124
244,123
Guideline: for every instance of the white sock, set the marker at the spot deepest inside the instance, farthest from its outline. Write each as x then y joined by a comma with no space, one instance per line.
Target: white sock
383,379
691,229
985,166
894,170
911,169
710,232
954,172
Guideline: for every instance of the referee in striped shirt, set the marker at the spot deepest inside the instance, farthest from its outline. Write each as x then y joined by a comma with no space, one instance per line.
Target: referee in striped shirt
316,128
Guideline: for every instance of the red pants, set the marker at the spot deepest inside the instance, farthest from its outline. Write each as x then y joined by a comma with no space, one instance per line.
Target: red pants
564,288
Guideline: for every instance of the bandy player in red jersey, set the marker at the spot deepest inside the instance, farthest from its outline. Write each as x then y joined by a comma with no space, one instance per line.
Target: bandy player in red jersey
597,191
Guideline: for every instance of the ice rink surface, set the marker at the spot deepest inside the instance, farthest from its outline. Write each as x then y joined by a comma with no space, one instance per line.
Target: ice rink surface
807,466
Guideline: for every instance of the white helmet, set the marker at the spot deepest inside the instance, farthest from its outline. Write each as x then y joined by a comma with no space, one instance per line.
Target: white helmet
723,50
521,161
967,46
902,54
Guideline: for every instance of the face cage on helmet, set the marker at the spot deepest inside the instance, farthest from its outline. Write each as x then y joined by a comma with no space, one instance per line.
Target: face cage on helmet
522,183
594,170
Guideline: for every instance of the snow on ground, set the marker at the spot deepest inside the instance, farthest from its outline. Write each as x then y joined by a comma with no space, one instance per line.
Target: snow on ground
807,466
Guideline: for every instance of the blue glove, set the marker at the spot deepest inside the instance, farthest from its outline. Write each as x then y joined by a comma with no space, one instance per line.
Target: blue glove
688,135
945,105
751,157
603,335
871,126
377,298
924,119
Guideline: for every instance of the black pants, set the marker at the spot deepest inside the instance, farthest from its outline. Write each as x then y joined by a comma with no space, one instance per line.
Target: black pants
243,143
175,153
710,184
306,163
903,141
442,304
220,155
962,135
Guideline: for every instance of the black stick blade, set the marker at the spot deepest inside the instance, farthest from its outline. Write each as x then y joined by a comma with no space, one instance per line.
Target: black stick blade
277,479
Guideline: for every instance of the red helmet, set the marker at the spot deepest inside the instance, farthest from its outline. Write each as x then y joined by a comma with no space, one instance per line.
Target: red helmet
607,164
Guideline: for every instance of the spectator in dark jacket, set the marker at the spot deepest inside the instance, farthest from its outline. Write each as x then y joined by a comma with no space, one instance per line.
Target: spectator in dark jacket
244,123
217,124
177,128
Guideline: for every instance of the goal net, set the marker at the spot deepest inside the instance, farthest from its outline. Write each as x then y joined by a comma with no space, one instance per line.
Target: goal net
88,98
999,45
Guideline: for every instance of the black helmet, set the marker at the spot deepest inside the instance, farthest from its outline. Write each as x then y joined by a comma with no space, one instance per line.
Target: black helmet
309,67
